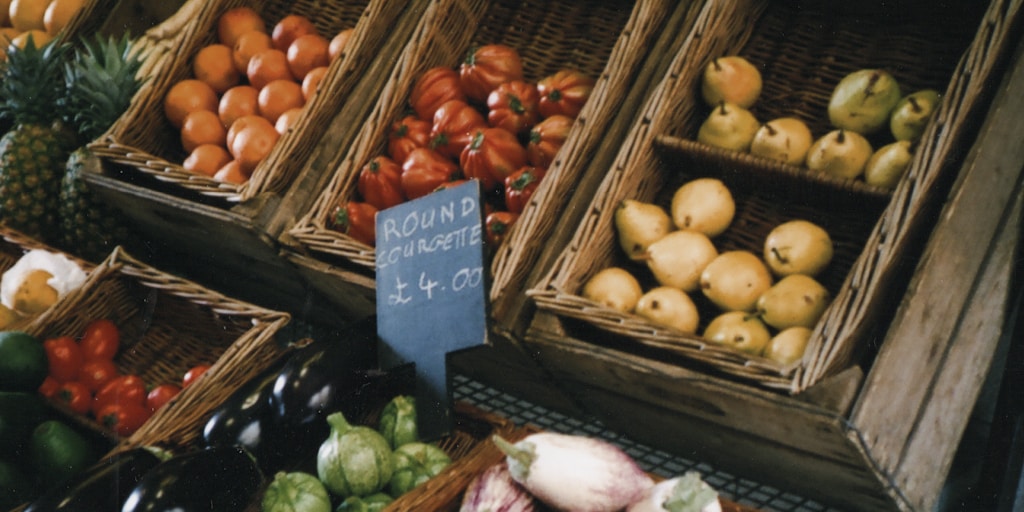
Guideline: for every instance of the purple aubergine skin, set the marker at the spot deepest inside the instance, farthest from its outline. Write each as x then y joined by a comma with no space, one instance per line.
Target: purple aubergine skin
495,491
574,473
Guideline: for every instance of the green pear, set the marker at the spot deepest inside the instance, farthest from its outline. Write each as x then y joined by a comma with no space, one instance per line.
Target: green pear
670,307
678,258
786,139
839,153
739,330
911,115
788,346
732,79
703,204
734,280
615,288
638,224
887,165
798,247
796,300
729,126
863,100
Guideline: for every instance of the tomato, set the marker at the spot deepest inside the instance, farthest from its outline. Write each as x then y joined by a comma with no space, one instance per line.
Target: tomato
94,374
425,170
100,340
127,389
380,183
49,387
546,138
493,154
513,106
75,395
65,358
520,186
497,225
488,66
564,93
123,418
434,88
160,395
357,220
193,374
453,128
407,134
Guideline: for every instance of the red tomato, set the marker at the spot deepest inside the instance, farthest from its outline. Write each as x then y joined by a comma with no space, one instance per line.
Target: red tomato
513,106
497,225
94,374
193,374
425,170
160,395
357,220
486,67
380,183
124,419
100,340
49,387
75,395
546,138
65,358
520,186
406,135
491,156
455,122
564,93
126,389
434,88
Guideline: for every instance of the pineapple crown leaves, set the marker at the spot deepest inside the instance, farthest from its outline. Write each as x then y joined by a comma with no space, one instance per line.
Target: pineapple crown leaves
100,81
30,82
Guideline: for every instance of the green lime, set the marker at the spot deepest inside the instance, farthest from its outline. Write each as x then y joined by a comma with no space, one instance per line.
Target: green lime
56,452
15,487
19,415
23,363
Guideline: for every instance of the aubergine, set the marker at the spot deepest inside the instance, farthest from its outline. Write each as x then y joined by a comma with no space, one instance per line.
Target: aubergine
103,486
221,479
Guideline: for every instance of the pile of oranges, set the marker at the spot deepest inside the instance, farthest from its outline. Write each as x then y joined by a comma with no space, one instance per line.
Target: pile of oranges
41,20
247,90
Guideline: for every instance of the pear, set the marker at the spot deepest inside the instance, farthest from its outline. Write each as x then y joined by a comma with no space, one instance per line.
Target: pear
615,288
839,153
729,126
731,79
35,295
734,280
670,307
887,165
788,346
678,258
798,247
738,330
786,139
638,224
703,204
911,115
863,100
796,300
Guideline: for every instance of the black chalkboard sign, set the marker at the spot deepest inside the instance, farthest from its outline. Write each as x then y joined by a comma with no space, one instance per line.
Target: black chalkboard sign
431,292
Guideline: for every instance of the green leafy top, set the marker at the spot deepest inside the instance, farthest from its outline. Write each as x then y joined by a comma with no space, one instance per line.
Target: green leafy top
100,80
30,82
690,494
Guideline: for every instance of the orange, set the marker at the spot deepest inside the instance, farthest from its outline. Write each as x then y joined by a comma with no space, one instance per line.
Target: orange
312,81
207,159
287,119
246,46
289,28
214,64
338,43
240,124
252,144
5,13
238,101
278,96
267,66
39,38
306,52
231,172
187,96
59,13
28,14
201,127
237,21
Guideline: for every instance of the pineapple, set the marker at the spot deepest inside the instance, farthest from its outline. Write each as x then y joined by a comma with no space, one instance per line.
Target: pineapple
33,152
101,81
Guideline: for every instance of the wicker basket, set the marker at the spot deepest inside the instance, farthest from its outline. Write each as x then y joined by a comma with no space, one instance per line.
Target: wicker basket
145,141
608,40
803,49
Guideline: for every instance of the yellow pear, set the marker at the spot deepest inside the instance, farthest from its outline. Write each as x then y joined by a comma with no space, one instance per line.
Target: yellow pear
796,300
703,204
34,295
639,224
678,258
912,114
728,126
786,139
671,307
734,280
839,153
788,346
863,100
733,79
887,166
615,288
738,330
798,247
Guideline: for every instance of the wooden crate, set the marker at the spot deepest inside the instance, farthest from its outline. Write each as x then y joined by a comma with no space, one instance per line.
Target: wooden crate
881,434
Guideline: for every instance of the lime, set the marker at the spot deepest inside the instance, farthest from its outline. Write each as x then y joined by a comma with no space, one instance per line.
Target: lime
19,415
15,487
58,452
23,363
